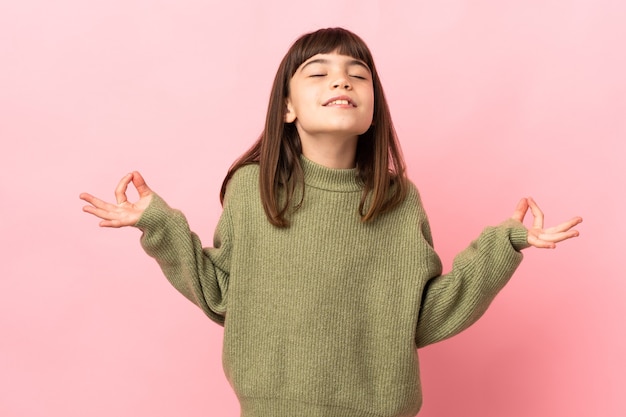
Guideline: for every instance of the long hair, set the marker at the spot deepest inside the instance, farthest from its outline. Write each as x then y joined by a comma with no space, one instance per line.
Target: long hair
379,162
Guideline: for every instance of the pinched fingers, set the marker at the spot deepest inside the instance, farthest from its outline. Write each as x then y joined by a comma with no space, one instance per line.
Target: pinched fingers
537,214
120,190
537,235
140,184
124,212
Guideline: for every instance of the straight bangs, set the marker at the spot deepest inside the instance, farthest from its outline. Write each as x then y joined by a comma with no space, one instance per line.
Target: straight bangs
326,41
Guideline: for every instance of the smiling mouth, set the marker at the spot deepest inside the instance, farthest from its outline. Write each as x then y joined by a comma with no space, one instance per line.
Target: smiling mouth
340,102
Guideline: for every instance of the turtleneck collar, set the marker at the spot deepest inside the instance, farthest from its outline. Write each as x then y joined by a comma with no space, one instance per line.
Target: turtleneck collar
319,176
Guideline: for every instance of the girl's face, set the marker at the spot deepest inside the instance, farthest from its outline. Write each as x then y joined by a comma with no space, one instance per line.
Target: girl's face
331,95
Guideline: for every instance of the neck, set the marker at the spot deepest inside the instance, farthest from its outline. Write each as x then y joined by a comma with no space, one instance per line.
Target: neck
331,152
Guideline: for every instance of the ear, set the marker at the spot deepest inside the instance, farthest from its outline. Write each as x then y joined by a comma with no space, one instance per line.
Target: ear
290,113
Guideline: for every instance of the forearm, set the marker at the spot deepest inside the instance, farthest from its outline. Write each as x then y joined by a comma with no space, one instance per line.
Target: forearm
179,252
454,301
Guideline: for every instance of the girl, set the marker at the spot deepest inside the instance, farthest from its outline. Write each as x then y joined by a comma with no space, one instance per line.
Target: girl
322,269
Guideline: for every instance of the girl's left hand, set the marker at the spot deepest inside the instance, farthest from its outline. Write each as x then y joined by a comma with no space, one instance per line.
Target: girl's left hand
537,235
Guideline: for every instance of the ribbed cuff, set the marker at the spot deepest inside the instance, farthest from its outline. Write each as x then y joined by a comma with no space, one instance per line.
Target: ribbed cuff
518,234
154,215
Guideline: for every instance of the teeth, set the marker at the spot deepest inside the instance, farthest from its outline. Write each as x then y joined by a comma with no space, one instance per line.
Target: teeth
339,102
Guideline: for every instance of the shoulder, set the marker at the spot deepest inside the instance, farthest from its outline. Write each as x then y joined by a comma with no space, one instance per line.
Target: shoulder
412,191
245,174
412,216
409,210
413,200
244,183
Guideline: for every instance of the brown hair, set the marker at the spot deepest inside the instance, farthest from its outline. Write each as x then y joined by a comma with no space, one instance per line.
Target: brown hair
379,160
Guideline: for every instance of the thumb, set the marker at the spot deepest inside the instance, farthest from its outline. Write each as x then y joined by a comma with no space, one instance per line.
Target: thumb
520,210
140,185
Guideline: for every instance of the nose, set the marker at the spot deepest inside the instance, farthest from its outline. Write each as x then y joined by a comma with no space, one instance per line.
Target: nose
341,82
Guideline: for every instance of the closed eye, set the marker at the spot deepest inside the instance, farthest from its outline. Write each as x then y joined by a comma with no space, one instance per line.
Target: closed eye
317,75
360,77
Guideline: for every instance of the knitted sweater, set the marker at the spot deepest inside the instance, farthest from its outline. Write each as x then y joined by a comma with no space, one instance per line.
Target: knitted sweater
324,318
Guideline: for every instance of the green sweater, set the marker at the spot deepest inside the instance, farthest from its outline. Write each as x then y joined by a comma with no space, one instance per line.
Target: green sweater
324,318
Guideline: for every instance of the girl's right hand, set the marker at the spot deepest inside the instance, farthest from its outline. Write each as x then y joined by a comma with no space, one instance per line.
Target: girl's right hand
124,213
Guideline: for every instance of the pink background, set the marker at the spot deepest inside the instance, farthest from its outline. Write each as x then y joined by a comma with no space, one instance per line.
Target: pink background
493,100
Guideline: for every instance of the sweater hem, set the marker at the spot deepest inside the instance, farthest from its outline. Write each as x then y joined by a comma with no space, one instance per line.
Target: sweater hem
280,407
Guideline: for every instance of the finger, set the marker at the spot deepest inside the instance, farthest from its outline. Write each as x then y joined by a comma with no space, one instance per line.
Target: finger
111,223
520,210
118,217
96,202
140,184
86,197
565,225
120,190
101,212
558,237
537,214
540,243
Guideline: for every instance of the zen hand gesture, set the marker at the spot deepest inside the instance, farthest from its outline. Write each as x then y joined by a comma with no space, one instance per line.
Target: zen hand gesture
124,213
537,235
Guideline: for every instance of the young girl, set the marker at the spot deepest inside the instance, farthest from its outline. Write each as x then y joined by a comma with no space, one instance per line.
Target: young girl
322,269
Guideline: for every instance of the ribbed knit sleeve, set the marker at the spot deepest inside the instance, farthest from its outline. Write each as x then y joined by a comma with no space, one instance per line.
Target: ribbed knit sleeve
454,301
200,274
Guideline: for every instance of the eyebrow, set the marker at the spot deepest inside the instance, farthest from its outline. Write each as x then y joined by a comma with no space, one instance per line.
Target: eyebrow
351,63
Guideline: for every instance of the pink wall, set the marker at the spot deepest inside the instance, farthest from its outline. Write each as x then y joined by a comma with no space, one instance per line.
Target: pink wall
493,100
